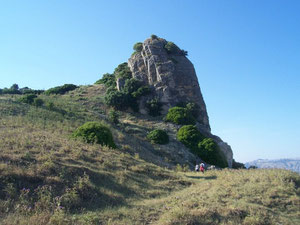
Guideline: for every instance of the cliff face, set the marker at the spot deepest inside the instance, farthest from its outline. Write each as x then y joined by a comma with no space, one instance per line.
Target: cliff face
171,74
167,70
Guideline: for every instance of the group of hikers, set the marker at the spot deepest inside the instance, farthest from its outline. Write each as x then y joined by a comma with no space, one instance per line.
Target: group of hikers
200,167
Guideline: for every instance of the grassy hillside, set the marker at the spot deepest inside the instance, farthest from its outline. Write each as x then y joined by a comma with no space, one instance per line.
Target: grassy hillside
47,177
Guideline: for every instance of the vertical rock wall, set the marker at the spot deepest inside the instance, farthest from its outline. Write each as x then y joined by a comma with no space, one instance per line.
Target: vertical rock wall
174,80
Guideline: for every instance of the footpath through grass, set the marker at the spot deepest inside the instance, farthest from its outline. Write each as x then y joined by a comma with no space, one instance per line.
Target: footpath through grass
46,177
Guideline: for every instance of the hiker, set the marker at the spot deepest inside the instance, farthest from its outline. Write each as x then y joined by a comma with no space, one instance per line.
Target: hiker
197,168
202,167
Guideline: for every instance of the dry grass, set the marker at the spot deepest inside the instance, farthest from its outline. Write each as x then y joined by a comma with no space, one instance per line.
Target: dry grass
46,177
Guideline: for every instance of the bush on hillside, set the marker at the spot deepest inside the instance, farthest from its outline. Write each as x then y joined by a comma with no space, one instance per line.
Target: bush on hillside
38,102
138,47
110,89
27,90
10,91
210,152
131,85
60,90
238,165
158,137
117,99
128,96
153,107
141,91
14,87
29,98
190,136
123,71
180,115
95,132
109,80
113,116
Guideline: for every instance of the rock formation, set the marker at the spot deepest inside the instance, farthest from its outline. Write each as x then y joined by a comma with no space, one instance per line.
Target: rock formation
163,66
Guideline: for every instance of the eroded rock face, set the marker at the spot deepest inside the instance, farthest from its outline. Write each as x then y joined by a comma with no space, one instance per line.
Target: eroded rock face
171,74
174,80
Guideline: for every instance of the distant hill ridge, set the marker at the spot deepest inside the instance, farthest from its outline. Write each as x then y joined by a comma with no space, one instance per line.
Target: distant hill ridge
289,164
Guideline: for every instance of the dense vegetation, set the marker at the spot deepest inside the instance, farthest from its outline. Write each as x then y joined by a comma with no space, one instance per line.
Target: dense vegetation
154,107
129,93
14,89
95,132
206,148
172,48
210,152
180,115
158,136
138,47
60,90
190,137
109,80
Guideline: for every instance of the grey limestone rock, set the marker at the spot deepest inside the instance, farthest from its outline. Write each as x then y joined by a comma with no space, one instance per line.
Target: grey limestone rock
171,74
174,80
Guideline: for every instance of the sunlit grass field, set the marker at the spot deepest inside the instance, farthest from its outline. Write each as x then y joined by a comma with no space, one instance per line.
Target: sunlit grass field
47,177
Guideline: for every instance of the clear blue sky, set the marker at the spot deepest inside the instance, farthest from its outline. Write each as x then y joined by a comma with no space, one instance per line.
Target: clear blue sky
246,55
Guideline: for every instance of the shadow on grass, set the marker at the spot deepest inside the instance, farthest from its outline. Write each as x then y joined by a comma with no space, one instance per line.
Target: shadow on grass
203,177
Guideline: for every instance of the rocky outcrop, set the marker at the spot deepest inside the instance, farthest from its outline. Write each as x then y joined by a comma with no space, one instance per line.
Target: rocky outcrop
171,74
174,80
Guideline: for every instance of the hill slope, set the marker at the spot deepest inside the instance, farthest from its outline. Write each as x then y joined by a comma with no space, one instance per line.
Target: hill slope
46,177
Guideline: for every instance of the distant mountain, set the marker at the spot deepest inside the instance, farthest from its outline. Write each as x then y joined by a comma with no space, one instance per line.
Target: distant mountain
289,164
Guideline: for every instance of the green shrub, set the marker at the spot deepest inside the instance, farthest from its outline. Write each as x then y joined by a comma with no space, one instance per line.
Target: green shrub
190,136
109,80
127,97
123,71
117,99
10,91
172,48
110,89
27,90
210,152
180,115
183,52
158,137
138,47
113,116
38,102
60,90
154,107
95,132
238,165
131,85
141,91
153,36
28,98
